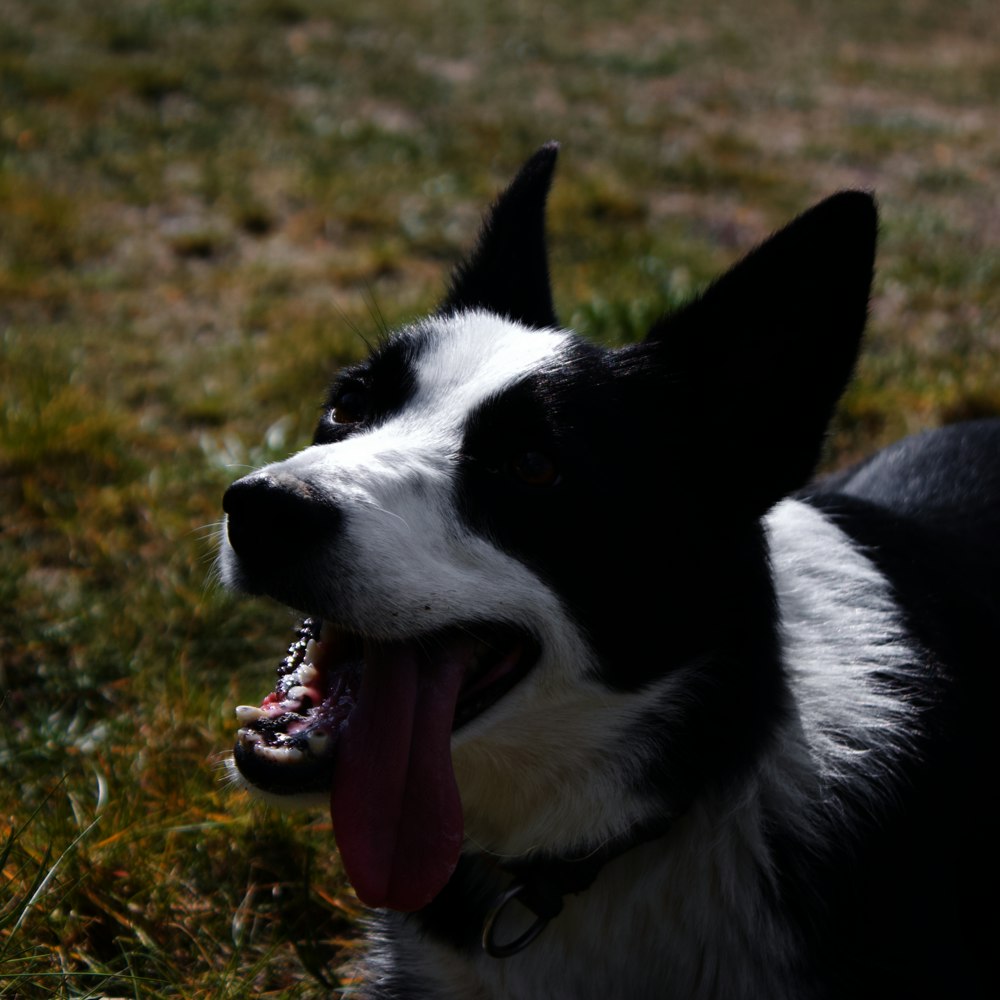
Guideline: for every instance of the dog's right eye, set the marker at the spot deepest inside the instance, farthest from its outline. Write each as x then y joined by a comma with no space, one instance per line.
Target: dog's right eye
350,407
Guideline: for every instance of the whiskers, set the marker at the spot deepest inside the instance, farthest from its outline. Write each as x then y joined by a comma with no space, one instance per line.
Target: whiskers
226,772
208,532
375,316
207,537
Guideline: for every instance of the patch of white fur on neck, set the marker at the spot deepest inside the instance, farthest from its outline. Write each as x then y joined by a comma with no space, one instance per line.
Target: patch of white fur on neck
474,355
841,630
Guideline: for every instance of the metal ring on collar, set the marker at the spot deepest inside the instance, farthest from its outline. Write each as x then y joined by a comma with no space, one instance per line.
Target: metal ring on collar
496,949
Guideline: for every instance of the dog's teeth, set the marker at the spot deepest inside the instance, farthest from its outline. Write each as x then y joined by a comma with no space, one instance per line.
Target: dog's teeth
279,755
306,673
301,698
311,650
318,741
248,713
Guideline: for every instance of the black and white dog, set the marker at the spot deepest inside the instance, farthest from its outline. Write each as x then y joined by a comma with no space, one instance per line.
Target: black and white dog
604,699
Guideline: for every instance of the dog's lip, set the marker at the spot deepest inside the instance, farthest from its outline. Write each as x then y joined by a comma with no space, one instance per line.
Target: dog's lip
505,657
286,745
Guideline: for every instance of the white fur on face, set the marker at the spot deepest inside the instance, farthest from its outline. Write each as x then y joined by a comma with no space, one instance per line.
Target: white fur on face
404,564
544,766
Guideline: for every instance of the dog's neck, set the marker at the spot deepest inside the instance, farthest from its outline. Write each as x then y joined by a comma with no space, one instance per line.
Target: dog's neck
724,850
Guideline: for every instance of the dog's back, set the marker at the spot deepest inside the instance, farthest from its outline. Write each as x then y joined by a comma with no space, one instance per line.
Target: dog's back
947,479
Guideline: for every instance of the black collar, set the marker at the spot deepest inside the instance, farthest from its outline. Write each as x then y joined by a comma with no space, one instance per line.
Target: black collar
540,884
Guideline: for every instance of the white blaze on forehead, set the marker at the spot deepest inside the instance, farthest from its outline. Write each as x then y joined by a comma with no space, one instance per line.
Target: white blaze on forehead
474,355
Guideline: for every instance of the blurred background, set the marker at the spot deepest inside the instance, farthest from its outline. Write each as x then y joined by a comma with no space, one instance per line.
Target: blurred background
206,205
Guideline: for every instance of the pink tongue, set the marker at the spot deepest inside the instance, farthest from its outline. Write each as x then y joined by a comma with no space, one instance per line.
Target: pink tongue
396,811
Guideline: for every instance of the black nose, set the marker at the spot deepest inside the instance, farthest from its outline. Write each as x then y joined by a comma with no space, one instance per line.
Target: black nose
274,523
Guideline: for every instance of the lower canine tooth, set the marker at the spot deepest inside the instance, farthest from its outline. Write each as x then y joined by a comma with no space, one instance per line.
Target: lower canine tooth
248,713
318,742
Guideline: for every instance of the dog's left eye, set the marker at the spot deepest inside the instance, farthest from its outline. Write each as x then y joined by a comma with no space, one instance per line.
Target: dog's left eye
350,408
535,469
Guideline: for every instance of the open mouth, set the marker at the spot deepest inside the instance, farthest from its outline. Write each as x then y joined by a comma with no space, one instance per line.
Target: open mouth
369,723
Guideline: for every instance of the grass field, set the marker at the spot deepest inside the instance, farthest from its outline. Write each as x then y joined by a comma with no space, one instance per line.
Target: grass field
204,204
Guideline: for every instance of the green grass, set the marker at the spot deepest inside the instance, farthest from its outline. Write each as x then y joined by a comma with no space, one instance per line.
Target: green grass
204,206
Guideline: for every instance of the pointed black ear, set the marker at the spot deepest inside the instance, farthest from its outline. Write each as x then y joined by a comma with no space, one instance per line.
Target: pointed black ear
762,357
508,272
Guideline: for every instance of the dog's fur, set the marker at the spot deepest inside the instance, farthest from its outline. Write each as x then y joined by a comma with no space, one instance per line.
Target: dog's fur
773,699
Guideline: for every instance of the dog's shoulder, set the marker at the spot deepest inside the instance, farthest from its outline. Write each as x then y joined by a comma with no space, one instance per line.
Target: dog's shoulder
893,566
890,626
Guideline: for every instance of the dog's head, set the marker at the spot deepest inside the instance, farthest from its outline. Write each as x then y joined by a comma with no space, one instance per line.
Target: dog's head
526,558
